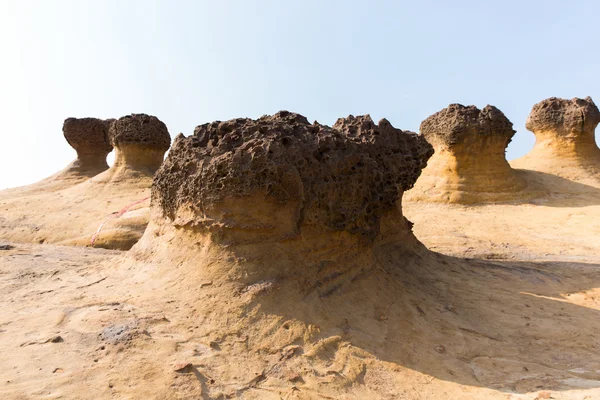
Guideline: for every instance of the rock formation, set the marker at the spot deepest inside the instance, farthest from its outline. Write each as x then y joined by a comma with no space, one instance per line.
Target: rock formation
276,213
109,210
278,264
278,176
281,187
140,143
469,164
89,138
565,143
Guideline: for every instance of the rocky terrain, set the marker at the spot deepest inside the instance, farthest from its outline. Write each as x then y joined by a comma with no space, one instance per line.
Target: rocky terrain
280,261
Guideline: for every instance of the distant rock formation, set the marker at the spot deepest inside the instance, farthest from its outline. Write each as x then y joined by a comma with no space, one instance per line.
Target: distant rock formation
565,143
110,209
140,143
469,164
89,138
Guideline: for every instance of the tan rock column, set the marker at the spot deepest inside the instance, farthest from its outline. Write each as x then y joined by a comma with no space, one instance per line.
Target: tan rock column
140,143
469,164
565,143
89,138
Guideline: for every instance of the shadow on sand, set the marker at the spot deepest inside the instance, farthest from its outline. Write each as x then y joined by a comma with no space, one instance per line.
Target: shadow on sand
559,192
511,326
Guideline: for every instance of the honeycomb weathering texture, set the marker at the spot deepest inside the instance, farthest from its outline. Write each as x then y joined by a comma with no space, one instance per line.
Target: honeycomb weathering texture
342,177
140,130
454,124
566,118
88,135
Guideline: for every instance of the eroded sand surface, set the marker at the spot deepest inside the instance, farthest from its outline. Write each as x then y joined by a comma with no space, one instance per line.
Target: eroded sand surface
489,329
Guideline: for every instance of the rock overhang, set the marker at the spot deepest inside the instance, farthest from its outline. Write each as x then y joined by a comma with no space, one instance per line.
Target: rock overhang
564,118
88,135
140,130
341,178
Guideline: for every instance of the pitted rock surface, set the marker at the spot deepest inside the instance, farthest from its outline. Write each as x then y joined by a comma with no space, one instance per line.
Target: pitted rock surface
88,135
456,122
142,130
568,118
344,176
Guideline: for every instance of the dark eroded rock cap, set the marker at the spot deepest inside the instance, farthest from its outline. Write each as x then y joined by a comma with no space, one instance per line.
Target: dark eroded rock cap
88,135
564,117
343,177
456,122
141,130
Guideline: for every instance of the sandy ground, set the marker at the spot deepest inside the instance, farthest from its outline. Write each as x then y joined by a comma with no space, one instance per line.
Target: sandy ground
498,317
110,209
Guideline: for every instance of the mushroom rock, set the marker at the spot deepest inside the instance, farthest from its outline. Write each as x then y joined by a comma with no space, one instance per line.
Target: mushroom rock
89,138
140,143
281,187
565,143
469,164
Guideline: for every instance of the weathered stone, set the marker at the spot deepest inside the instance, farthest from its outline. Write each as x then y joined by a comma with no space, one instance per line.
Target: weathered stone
564,118
469,165
564,140
140,130
88,135
89,138
342,177
458,124
140,141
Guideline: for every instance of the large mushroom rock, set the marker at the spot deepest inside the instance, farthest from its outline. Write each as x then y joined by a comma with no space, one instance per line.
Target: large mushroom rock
89,138
140,143
565,143
248,184
469,164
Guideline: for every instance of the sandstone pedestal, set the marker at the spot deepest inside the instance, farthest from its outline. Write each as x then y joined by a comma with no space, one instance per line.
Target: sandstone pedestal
565,143
469,164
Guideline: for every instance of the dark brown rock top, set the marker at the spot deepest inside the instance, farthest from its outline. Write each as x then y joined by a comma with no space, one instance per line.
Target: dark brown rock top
456,122
88,136
141,130
564,117
344,177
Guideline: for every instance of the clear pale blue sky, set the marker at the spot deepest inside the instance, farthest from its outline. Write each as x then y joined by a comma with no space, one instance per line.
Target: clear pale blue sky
191,62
